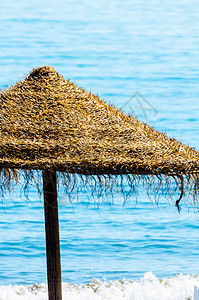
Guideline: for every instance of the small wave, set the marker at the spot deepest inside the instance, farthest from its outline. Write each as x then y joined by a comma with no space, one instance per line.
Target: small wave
147,288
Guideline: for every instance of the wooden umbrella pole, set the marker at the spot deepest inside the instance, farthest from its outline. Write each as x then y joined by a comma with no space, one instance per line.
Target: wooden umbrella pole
52,235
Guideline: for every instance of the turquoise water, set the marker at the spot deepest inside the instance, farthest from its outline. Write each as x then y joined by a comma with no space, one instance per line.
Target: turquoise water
138,55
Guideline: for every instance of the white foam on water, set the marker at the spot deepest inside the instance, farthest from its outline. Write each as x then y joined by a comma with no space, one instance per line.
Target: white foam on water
149,287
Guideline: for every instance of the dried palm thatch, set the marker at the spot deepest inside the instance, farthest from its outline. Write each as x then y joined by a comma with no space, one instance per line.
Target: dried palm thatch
47,122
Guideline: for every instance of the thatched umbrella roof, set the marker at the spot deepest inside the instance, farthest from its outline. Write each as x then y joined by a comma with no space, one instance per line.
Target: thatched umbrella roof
48,122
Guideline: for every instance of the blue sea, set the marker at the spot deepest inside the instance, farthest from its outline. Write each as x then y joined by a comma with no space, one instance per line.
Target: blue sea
143,57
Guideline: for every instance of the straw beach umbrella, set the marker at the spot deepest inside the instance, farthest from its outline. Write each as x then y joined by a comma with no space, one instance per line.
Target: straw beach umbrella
49,124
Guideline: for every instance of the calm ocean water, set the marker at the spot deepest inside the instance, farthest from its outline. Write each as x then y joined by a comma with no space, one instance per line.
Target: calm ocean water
141,56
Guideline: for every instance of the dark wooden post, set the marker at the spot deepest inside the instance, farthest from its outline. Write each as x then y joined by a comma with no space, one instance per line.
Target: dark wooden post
52,235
